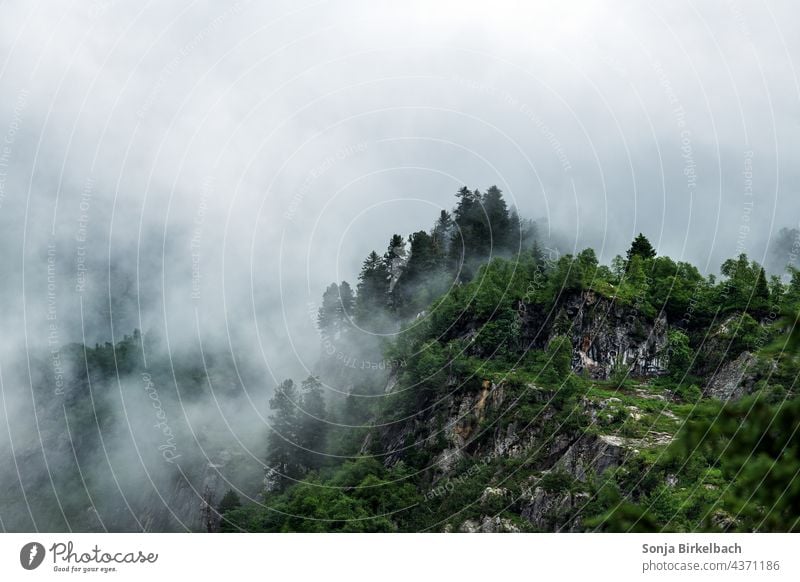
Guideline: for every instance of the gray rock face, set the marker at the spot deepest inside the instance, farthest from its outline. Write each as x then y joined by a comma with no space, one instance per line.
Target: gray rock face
456,424
552,511
604,334
488,524
592,453
475,424
733,379
189,503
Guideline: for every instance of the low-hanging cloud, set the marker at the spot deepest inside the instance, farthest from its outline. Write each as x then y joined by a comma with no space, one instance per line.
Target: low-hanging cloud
202,172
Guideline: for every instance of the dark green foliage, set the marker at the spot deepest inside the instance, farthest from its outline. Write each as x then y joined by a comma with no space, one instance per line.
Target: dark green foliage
442,233
679,354
756,447
515,237
497,218
468,242
424,277
641,247
676,289
745,288
283,454
792,296
745,334
567,277
634,288
347,302
735,467
499,337
373,288
688,393
361,496
313,424
395,250
229,501
482,227
334,314
587,259
467,343
559,354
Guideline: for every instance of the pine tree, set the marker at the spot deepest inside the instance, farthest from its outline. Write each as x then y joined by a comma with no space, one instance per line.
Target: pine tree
792,296
762,289
282,451
641,247
346,304
468,202
328,313
313,428
538,255
481,236
333,316
635,280
442,232
469,241
760,300
588,261
394,260
463,238
395,250
498,235
423,254
745,288
618,265
373,289
229,501
516,235
423,278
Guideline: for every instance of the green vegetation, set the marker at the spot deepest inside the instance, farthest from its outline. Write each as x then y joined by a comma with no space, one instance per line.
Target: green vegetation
497,402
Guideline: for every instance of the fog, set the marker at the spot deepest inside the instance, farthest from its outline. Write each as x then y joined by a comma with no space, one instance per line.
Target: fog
202,172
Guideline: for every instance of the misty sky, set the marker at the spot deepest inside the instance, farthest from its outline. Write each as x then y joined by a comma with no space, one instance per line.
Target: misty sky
231,161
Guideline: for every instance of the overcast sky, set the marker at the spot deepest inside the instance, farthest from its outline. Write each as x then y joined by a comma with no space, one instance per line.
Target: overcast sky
259,150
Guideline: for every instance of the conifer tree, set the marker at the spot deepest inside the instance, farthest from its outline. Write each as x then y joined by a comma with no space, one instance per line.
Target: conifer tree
328,313
282,451
394,261
498,235
229,501
334,314
313,428
442,232
373,289
346,303
470,239
641,247
423,277
515,238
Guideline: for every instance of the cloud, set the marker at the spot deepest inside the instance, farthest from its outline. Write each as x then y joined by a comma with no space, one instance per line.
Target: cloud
204,171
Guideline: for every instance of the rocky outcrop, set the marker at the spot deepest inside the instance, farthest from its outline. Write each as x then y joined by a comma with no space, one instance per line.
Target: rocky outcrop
550,511
592,454
455,423
558,508
733,379
606,335
191,499
467,430
489,524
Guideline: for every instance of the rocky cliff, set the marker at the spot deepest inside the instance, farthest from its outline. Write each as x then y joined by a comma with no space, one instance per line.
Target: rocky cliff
606,334
487,422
